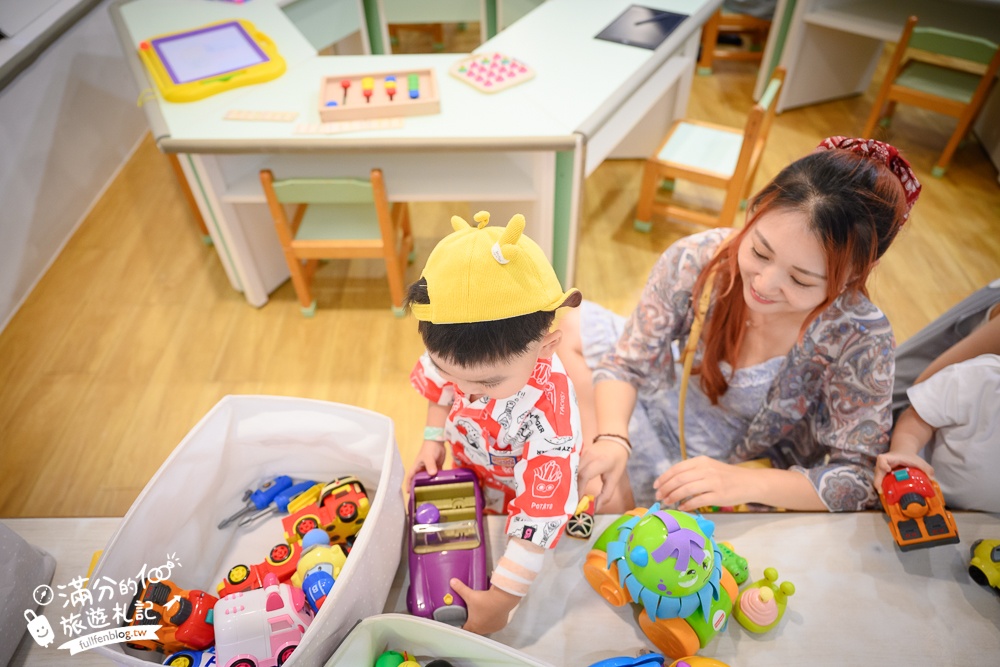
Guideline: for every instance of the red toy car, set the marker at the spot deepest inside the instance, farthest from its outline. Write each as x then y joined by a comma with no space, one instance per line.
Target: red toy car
340,510
186,617
917,516
281,562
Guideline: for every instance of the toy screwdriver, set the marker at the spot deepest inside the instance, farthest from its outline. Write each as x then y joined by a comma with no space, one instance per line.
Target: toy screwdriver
261,498
280,502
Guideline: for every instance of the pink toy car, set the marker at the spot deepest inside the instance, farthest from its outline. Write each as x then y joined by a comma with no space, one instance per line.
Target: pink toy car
261,627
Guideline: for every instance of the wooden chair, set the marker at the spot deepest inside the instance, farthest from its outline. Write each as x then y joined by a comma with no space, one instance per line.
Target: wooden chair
708,154
938,86
724,23
339,219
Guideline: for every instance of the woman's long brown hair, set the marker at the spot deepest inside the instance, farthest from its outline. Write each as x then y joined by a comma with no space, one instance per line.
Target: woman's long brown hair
854,205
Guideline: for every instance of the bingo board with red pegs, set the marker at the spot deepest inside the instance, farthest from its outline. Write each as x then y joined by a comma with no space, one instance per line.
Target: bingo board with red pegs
379,95
491,72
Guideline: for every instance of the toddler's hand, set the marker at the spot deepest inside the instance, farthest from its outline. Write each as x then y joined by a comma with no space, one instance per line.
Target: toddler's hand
604,460
489,610
430,458
886,462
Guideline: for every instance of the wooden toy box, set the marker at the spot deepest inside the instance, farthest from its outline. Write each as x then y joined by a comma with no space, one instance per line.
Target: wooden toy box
334,105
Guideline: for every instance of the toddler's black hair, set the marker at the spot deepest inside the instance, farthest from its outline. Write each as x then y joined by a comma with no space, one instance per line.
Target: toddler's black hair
479,343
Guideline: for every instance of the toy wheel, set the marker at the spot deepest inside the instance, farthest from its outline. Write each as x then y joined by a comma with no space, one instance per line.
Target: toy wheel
238,574
184,609
306,524
978,576
285,654
179,661
280,554
580,525
673,636
347,511
603,579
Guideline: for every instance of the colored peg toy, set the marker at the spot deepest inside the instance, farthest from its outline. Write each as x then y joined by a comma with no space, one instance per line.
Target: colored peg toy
345,84
367,87
390,86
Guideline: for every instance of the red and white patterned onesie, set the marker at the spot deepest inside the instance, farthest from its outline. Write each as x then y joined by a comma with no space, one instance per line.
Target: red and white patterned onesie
524,449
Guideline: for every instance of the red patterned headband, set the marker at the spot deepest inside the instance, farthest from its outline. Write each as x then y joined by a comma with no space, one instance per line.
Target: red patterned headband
887,155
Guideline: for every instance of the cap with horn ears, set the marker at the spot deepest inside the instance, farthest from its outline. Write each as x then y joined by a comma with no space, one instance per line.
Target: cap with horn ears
482,274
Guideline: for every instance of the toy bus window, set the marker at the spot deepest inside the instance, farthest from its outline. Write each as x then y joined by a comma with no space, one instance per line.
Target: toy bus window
208,52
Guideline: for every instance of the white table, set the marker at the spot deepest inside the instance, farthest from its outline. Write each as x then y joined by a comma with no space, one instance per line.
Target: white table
524,150
858,599
830,48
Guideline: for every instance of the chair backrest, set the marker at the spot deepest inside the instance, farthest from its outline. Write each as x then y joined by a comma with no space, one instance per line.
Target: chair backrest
306,191
758,124
953,44
323,191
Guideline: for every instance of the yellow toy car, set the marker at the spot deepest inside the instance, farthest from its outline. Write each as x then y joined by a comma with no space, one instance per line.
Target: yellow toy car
984,568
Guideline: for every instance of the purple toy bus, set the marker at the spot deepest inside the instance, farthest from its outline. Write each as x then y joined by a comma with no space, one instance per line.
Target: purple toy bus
445,540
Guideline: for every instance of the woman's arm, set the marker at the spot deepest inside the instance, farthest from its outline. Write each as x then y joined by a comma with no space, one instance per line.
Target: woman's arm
704,481
607,459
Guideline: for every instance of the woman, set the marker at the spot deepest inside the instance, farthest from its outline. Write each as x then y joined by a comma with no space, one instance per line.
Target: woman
794,364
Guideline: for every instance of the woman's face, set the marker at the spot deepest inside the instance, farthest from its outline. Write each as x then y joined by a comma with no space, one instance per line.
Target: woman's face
783,265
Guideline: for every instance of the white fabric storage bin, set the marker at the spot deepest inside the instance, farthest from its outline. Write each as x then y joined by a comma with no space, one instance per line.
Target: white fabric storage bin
239,444
427,640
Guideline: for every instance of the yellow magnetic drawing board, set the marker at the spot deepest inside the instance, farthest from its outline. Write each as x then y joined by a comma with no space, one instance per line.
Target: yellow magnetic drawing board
193,64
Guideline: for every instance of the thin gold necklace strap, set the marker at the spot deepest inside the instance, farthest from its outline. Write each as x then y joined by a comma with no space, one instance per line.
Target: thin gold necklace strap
688,355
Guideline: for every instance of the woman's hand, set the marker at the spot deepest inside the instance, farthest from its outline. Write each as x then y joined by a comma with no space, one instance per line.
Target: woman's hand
605,460
489,610
703,481
886,462
430,458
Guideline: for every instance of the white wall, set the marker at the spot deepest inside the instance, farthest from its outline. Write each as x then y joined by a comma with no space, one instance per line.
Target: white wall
67,123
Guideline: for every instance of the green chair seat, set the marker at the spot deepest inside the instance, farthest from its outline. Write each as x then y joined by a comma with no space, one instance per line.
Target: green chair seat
703,148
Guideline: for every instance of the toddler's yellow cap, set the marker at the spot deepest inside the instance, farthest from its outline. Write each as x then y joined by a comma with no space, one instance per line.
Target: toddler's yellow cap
481,274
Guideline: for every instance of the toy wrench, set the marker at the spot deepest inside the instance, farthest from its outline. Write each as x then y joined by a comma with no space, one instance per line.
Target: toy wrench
280,502
261,498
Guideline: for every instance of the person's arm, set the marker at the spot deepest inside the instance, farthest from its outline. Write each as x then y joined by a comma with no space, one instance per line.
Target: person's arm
909,436
642,355
984,340
703,481
440,396
490,610
433,451
605,459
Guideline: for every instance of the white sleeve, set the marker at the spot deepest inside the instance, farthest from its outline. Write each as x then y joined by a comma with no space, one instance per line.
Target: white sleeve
953,395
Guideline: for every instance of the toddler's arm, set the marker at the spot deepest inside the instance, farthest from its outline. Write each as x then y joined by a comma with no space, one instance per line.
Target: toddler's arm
490,610
909,436
433,451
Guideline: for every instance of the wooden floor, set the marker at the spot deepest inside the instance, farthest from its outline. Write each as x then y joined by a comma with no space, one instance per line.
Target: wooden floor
134,333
